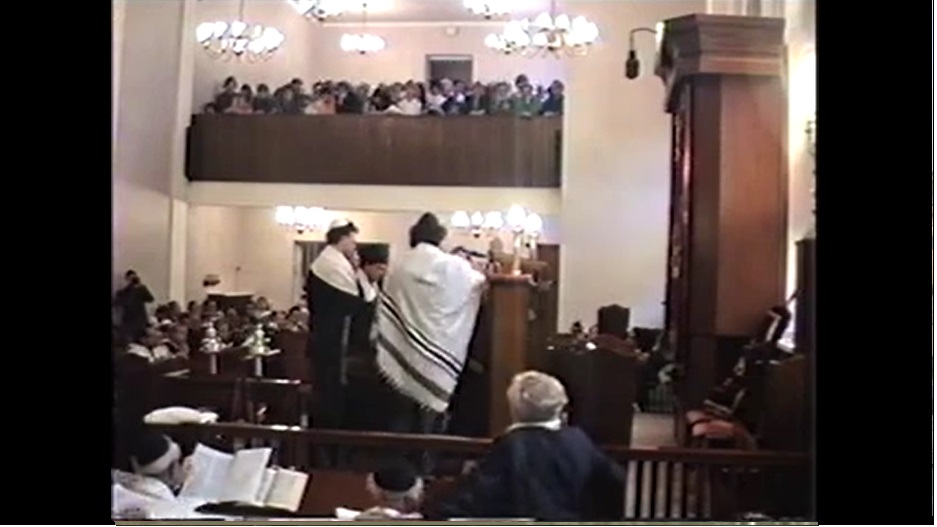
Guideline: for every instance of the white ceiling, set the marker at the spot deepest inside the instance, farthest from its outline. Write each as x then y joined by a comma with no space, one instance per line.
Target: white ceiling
428,11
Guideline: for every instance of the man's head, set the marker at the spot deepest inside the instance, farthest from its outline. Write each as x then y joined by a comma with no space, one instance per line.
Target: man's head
341,235
427,230
131,277
373,261
149,337
158,456
535,397
397,487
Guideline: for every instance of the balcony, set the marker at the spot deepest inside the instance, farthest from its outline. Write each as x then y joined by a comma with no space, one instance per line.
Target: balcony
489,151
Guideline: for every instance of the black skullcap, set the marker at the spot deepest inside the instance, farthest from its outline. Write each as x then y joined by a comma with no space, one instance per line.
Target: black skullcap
373,254
400,477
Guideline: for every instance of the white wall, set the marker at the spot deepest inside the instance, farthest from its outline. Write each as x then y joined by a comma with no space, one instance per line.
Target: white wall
312,51
252,253
616,172
142,185
800,16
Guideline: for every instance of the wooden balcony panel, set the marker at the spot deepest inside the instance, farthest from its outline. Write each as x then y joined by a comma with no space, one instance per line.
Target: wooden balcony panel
376,150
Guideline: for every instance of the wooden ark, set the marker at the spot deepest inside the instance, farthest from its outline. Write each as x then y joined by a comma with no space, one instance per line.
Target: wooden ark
728,217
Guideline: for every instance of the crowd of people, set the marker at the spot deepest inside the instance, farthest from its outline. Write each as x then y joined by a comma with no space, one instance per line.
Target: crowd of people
168,332
443,97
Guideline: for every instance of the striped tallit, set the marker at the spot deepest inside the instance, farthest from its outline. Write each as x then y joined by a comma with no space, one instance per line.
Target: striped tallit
425,317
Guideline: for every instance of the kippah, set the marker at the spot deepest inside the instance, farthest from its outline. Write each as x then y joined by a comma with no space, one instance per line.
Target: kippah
397,478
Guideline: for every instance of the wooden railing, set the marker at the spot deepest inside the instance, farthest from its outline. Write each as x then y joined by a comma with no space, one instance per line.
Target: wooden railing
490,151
662,483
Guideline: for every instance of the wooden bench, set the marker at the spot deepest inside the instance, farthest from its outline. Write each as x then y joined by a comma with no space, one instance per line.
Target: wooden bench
663,484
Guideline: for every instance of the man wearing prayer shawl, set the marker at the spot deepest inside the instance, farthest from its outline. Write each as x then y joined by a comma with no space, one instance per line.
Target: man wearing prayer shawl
334,297
425,317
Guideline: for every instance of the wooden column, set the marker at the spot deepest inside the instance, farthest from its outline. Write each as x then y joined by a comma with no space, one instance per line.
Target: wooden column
729,188
508,302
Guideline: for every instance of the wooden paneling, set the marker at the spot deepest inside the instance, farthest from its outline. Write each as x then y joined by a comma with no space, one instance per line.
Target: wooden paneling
490,151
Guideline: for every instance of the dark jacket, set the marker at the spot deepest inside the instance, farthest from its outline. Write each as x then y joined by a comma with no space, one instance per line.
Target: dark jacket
132,301
542,474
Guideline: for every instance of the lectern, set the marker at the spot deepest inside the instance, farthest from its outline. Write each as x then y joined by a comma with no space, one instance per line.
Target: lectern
728,216
508,307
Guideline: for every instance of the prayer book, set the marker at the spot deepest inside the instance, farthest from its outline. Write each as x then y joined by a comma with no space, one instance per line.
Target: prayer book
243,478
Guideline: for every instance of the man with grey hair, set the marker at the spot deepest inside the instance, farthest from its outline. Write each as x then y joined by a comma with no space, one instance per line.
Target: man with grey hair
539,468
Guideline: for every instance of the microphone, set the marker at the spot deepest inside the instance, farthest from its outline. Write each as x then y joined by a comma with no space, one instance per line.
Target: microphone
468,252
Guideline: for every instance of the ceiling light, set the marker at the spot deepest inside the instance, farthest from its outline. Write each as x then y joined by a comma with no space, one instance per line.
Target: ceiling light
239,39
319,9
488,8
548,34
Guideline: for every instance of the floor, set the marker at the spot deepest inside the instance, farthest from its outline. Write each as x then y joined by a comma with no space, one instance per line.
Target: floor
652,430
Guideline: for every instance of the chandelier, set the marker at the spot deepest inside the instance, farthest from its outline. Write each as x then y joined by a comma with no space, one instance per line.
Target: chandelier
362,43
548,34
239,39
303,219
488,8
318,9
525,228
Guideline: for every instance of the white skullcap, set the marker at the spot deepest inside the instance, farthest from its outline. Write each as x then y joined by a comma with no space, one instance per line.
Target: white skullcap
535,396
339,223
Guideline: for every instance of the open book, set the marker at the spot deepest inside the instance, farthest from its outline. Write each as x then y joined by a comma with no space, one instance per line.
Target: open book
243,478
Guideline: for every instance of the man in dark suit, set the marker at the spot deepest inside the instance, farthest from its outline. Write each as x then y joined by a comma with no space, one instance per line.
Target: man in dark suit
131,301
540,469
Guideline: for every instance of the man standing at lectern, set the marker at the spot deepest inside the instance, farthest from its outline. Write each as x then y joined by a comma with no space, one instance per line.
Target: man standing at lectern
425,318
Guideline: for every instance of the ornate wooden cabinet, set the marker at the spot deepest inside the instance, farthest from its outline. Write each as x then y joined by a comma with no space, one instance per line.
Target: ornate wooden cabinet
728,221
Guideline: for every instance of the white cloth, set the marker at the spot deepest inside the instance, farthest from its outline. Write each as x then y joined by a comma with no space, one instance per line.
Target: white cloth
333,268
367,288
425,317
410,107
159,352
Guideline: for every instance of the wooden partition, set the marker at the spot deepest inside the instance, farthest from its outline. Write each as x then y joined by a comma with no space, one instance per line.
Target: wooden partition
491,151
663,484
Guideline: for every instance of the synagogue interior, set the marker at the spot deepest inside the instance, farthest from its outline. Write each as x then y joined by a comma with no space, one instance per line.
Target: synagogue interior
350,280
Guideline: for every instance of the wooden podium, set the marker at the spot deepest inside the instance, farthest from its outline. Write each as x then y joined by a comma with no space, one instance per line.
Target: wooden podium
728,217
508,309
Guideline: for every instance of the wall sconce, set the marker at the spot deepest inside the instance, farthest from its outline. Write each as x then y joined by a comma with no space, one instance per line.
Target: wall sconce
302,219
525,228
633,65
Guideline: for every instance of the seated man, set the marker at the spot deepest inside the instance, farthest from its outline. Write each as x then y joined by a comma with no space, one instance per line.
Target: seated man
539,469
157,468
148,344
398,492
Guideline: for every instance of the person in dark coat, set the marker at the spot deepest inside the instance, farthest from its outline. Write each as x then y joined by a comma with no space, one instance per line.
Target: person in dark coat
131,301
540,469
334,297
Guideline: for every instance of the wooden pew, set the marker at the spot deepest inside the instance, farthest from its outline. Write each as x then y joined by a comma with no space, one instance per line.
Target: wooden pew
293,361
601,378
251,399
663,484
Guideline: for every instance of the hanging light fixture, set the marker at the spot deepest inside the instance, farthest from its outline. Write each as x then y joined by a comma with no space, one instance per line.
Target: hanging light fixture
319,9
548,34
303,219
488,8
362,43
239,39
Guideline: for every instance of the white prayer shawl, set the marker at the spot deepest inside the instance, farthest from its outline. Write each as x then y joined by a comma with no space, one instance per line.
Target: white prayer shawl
425,317
367,288
333,268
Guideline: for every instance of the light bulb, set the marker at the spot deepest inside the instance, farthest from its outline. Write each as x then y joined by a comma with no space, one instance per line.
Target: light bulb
460,220
562,22
494,220
204,32
516,217
533,224
544,20
237,28
284,215
478,219
220,29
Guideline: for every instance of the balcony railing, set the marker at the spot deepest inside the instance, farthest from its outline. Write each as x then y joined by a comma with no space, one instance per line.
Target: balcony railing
491,151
